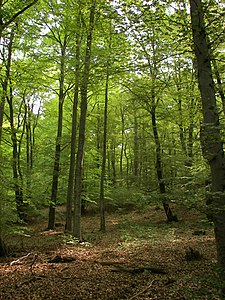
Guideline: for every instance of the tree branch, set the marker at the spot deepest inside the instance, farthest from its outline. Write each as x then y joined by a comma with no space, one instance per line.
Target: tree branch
13,18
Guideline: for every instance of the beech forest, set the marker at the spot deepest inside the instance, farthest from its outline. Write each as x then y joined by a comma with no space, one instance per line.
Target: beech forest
112,167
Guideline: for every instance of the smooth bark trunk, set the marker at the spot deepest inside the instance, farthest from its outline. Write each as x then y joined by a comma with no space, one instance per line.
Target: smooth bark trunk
181,128
82,127
159,169
5,82
212,146
113,162
102,182
18,189
29,145
136,148
56,167
219,84
70,188
122,143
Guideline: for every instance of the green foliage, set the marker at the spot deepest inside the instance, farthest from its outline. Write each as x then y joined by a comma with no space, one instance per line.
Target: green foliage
122,199
136,232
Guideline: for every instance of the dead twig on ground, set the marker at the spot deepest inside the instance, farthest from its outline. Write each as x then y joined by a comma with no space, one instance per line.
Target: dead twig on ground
144,290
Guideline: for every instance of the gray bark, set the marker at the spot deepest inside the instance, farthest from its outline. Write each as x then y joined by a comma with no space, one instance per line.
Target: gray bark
70,193
212,146
55,179
82,128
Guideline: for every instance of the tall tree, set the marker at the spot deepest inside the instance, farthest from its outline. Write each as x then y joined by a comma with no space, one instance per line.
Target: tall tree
53,201
82,125
60,33
5,82
211,135
70,191
17,175
104,155
4,24
149,42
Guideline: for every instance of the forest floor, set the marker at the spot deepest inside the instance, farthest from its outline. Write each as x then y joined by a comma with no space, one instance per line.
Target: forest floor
141,256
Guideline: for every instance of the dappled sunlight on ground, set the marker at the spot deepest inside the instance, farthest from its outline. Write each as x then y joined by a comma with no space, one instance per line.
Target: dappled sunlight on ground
140,257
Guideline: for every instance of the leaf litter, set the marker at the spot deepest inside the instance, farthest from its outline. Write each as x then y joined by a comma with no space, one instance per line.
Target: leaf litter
139,257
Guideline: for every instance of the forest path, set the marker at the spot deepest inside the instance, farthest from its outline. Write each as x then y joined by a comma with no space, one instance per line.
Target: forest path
139,257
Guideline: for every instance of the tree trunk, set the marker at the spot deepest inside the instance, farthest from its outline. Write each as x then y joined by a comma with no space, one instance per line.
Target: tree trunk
82,127
18,190
136,150
127,165
29,145
212,146
70,188
113,162
122,143
2,107
159,171
55,179
190,135
219,84
102,182
5,82
181,128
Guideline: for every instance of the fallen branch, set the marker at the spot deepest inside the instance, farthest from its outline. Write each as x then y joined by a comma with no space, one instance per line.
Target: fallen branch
119,267
142,291
111,263
29,258
139,270
61,259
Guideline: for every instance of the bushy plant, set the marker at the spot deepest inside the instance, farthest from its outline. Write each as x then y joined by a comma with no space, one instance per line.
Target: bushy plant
125,199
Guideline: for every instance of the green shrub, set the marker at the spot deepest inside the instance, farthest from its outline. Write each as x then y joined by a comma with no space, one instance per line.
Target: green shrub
125,200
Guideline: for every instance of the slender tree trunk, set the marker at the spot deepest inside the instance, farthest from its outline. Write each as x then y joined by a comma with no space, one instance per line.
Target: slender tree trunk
127,164
55,179
5,82
82,127
192,112
19,148
181,128
113,162
3,249
212,145
29,145
158,154
122,143
159,170
15,164
3,26
136,150
219,84
190,134
17,187
143,155
70,188
102,182
98,140
177,78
